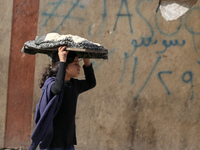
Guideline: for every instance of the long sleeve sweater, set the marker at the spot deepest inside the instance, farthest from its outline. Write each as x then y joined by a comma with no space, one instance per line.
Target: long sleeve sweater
55,112
64,133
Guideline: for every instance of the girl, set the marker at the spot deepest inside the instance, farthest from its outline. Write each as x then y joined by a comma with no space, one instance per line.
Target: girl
56,110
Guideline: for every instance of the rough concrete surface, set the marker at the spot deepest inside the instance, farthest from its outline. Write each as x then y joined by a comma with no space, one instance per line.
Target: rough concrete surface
5,33
147,94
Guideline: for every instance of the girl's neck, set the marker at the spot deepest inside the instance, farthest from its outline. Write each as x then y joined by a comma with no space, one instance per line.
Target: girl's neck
67,78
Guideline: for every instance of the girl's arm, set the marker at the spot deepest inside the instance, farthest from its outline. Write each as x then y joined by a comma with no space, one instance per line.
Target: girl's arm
58,85
90,80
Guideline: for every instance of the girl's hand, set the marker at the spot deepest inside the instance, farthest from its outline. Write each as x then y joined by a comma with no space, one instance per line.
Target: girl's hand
86,62
62,53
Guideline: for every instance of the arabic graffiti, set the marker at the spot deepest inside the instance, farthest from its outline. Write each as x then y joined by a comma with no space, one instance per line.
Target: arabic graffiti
149,41
165,86
148,78
169,42
134,70
189,80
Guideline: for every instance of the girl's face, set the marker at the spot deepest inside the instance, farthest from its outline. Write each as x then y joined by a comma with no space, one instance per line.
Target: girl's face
73,69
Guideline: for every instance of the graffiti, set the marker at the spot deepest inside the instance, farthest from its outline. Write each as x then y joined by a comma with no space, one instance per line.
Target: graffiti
119,14
187,26
103,19
169,41
159,76
187,77
189,80
164,33
147,42
56,6
144,42
143,18
191,29
134,70
148,78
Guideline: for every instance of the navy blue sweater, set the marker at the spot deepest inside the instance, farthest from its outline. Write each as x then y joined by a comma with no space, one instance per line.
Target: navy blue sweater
56,110
64,133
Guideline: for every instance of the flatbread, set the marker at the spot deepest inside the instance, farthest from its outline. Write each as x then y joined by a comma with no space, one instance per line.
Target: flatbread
48,44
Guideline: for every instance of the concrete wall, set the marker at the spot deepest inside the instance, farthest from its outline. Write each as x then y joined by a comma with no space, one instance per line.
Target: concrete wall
5,34
147,94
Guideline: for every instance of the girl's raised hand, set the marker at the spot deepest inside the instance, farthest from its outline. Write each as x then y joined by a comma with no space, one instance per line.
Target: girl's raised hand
62,53
86,62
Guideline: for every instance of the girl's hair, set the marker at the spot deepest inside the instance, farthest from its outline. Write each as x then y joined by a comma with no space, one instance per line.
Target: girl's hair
51,70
